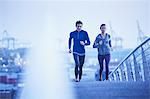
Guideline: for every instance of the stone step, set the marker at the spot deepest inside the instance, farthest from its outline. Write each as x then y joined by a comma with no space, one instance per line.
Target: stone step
111,90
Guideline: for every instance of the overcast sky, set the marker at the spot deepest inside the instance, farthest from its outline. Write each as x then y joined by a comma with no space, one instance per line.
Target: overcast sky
27,19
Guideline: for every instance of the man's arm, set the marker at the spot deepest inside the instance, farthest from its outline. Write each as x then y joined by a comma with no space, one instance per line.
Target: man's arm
70,42
87,39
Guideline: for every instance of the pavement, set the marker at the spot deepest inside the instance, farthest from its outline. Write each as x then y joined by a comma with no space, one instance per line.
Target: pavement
111,90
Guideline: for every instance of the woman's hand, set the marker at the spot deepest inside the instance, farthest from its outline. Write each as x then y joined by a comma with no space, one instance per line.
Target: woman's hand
100,42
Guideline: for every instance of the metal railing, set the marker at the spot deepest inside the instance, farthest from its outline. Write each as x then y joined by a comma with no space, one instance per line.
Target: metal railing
136,66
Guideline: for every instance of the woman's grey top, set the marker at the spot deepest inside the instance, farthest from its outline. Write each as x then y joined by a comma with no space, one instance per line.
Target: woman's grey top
103,44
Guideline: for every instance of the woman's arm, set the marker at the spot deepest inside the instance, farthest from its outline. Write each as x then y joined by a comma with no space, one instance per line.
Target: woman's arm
110,43
96,43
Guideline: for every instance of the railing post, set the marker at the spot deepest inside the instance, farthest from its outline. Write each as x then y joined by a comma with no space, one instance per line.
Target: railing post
137,69
123,73
120,74
145,67
129,71
114,75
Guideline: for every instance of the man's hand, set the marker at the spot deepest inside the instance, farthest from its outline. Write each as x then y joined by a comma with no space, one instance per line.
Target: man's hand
82,43
111,49
70,51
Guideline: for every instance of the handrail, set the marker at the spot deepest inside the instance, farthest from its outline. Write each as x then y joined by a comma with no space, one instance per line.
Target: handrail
129,56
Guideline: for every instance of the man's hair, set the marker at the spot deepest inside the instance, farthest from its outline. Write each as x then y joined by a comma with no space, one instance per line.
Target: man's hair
102,25
78,22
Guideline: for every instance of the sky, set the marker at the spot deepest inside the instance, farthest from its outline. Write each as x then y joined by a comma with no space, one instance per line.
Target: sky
26,19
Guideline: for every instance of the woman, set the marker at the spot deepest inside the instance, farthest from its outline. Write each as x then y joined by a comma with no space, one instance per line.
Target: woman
103,44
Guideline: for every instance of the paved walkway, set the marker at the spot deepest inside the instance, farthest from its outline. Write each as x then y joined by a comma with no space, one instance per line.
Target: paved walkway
111,90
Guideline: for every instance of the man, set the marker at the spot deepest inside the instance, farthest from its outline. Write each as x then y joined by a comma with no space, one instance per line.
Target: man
80,40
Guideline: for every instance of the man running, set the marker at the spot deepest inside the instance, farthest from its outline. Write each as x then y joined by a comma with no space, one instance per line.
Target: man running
80,40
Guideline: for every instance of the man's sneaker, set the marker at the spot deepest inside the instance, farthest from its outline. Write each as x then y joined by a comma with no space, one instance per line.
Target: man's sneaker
76,80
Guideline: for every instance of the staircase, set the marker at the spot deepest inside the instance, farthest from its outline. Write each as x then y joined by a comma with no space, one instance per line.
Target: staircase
111,90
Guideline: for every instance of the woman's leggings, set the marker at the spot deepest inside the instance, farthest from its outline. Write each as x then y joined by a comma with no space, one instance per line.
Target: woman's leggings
79,61
101,59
